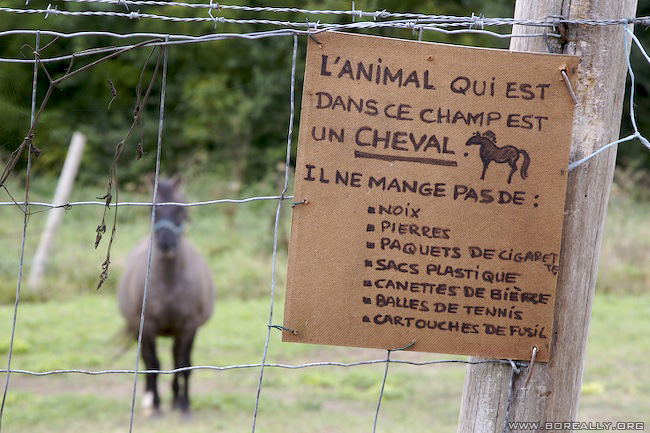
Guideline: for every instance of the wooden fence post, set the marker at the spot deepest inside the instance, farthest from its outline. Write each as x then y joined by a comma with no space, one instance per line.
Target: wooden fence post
554,388
61,194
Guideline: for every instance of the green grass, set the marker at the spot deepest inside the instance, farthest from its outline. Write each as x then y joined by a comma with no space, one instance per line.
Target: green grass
626,247
80,332
231,237
68,324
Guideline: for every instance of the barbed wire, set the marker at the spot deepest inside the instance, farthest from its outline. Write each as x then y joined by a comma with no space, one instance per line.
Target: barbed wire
182,39
474,20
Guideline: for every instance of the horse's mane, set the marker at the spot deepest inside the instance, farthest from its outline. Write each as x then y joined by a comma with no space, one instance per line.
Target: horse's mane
490,135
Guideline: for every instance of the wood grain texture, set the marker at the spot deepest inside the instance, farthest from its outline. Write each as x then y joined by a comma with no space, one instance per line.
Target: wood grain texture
554,389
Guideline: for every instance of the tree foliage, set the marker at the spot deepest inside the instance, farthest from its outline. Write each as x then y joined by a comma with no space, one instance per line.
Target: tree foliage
227,102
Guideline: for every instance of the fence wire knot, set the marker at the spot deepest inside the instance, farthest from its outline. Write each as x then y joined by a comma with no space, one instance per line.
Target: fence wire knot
50,10
123,3
514,366
380,14
555,20
356,13
413,25
478,21
134,15
214,6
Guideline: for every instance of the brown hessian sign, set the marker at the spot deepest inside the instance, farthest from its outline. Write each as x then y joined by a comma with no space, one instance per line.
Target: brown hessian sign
434,178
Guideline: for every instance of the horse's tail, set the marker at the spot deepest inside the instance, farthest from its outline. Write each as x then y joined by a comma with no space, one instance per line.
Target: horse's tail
122,341
524,165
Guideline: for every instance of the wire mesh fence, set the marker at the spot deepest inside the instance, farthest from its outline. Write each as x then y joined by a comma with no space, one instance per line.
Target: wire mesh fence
360,20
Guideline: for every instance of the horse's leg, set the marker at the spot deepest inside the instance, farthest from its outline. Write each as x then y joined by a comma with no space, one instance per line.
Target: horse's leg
151,400
513,165
485,167
182,349
513,168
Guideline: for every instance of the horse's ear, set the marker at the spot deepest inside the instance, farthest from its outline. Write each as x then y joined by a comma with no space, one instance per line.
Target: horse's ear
177,181
149,180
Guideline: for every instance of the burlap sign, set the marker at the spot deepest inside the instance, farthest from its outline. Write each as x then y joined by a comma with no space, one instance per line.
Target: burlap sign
434,178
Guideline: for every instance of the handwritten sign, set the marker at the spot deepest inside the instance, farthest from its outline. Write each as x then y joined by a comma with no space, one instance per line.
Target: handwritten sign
434,178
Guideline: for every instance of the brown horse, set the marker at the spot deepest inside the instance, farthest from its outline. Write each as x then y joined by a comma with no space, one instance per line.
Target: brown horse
180,296
491,152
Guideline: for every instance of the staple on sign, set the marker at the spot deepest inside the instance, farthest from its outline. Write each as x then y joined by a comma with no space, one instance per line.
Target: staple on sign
403,347
569,86
283,328
531,366
311,36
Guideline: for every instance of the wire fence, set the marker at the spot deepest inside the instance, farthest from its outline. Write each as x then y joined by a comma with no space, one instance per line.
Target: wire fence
360,21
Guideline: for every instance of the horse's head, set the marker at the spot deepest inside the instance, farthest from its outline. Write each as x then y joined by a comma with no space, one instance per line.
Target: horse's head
169,220
474,139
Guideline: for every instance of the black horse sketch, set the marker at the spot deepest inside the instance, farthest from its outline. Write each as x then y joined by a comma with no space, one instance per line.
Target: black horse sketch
491,152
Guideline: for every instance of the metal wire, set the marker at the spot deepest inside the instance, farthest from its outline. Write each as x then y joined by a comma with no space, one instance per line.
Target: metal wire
224,36
140,204
24,233
637,134
478,21
267,365
514,371
276,226
383,383
151,233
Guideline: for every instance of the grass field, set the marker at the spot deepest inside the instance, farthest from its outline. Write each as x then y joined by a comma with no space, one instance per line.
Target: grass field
68,324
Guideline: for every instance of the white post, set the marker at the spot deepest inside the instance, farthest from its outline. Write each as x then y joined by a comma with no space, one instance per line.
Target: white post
61,195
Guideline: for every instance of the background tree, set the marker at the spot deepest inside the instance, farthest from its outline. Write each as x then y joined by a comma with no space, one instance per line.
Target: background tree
227,105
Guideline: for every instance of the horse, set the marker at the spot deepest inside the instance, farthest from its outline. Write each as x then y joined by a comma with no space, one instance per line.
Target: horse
180,296
491,152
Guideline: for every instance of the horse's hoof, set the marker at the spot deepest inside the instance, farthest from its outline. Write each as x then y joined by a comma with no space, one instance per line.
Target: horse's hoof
148,408
186,415
180,404
153,413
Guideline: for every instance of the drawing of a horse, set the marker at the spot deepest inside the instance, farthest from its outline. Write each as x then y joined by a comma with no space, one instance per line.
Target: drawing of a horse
180,296
491,152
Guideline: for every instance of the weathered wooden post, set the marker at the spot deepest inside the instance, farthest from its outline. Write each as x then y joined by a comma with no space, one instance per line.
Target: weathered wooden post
61,194
554,389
